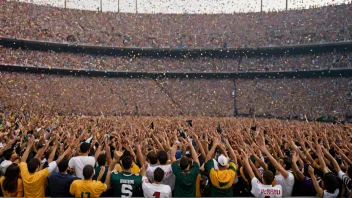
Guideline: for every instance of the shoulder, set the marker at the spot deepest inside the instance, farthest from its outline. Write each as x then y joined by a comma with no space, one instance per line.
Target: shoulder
2,179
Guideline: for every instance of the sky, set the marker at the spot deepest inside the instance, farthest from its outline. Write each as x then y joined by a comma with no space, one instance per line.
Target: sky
185,6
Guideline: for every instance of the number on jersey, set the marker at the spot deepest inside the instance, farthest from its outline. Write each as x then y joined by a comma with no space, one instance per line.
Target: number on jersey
156,194
87,193
126,191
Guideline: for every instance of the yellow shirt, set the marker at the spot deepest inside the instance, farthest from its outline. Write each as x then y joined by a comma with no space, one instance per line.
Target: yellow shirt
33,183
17,193
134,169
87,188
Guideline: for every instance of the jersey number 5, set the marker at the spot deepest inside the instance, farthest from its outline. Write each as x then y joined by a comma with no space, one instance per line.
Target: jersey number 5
126,191
156,194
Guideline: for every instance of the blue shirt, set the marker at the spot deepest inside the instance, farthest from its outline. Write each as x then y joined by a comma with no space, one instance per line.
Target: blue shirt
59,184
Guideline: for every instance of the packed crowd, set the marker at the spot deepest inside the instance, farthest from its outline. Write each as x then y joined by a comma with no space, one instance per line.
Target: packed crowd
68,95
91,62
35,22
292,97
63,156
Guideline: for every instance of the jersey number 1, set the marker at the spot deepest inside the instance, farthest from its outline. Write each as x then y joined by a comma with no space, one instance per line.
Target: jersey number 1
87,193
156,194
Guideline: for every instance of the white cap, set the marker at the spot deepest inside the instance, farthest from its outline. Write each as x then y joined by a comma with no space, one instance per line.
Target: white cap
222,160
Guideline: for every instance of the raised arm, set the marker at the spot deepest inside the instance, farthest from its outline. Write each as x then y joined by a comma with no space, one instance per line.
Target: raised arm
30,144
231,152
247,165
276,164
317,188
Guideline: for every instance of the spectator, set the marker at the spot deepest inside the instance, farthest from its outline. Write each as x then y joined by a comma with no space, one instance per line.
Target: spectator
156,189
60,182
88,187
285,178
33,178
77,163
186,173
11,183
169,178
125,183
10,157
223,178
264,188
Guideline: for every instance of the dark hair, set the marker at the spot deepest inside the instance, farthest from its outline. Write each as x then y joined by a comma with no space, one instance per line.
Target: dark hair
287,162
11,178
330,182
184,163
152,157
84,147
63,165
268,177
158,174
101,160
162,157
8,154
126,153
126,162
32,165
88,171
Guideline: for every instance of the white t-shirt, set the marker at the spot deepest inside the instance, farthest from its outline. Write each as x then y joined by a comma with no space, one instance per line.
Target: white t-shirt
260,190
169,177
4,165
331,195
79,162
286,184
155,190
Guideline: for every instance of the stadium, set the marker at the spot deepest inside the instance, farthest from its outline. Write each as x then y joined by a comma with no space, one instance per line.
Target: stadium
175,98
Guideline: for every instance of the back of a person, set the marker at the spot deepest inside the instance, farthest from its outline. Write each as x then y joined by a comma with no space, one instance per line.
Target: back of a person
59,184
221,180
96,174
157,191
125,184
87,188
185,181
260,190
135,169
11,194
79,162
169,177
33,183
286,184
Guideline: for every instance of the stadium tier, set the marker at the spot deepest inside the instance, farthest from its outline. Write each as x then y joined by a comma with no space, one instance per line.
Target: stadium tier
35,22
170,64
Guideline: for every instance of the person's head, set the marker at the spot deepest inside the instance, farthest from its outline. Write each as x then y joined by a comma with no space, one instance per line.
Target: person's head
162,157
126,162
63,165
222,162
330,182
8,154
101,160
268,177
11,177
84,147
88,172
184,163
152,158
33,165
286,163
158,175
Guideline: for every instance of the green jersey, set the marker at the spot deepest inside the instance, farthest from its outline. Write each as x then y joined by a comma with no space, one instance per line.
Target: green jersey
185,183
125,184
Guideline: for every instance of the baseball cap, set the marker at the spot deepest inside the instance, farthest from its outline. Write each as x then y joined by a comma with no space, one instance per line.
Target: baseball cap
222,160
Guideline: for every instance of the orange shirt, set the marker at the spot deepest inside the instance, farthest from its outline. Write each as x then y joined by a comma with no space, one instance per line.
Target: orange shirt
17,193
